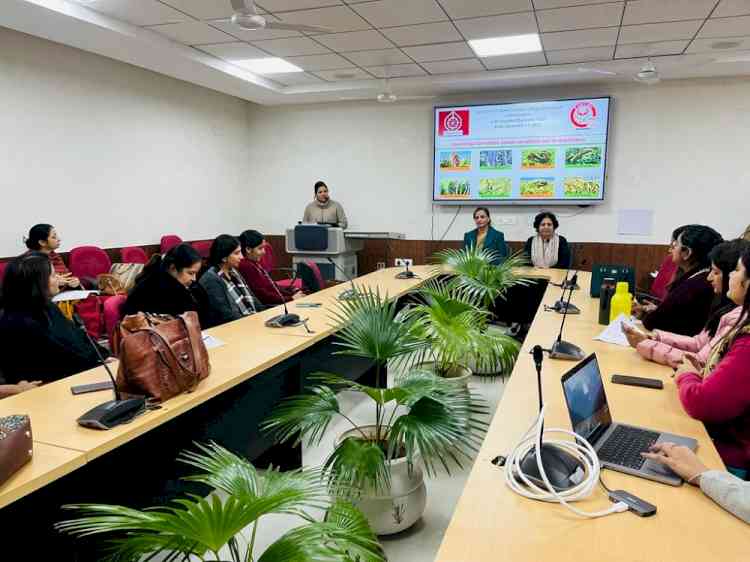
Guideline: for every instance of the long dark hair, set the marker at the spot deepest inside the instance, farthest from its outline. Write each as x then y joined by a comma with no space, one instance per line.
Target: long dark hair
221,248
724,257
743,320
180,256
250,239
701,240
26,283
38,233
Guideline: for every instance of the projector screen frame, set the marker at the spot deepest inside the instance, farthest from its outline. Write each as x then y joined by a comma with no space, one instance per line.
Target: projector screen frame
529,202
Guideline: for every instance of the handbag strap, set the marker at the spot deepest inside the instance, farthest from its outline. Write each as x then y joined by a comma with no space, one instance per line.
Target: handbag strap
194,336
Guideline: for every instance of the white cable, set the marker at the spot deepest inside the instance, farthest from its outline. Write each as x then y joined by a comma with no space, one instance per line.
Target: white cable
579,448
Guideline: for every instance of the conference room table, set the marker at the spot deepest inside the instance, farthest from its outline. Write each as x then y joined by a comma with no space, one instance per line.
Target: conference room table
492,523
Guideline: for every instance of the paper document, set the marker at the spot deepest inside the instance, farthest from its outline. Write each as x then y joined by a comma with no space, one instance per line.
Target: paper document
211,342
73,296
613,333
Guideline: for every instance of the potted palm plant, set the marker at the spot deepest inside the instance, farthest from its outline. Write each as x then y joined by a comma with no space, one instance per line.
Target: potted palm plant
197,528
421,424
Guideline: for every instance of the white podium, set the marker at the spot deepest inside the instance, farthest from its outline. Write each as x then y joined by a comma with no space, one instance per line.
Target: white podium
340,248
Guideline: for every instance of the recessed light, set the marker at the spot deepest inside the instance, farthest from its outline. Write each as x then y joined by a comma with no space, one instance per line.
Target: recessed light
270,65
725,44
508,45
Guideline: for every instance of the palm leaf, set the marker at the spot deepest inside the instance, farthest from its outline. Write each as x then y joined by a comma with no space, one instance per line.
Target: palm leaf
357,464
305,416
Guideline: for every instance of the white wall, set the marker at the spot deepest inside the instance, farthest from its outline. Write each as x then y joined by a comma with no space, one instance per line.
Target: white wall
679,149
112,154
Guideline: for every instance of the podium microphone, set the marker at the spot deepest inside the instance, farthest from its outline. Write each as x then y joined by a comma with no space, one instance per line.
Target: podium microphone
281,320
113,412
560,305
568,283
348,294
406,274
562,349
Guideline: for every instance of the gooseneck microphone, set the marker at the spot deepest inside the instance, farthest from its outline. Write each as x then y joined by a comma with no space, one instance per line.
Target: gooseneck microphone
562,349
347,294
281,320
114,412
560,305
406,273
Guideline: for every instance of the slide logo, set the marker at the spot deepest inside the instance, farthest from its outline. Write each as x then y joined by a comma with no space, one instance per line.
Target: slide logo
453,123
583,115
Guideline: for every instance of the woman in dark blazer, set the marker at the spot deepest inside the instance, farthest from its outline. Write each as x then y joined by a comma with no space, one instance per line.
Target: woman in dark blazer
39,343
484,237
547,249
167,286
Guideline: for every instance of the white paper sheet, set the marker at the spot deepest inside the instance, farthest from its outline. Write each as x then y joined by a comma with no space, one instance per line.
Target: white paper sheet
73,296
211,341
613,333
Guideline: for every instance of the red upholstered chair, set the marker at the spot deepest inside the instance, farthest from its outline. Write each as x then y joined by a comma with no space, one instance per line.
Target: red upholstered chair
316,272
134,254
86,262
203,247
664,277
113,314
3,265
168,242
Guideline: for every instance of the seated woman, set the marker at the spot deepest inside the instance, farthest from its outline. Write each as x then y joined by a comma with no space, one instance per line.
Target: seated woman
167,286
686,308
547,249
39,343
668,348
730,492
719,394
43,238
229,297
257,278
484,237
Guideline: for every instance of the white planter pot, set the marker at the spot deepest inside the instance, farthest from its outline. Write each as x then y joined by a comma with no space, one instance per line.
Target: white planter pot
399,507
458,375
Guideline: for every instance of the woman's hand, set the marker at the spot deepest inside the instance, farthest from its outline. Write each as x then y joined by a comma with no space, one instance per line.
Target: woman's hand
685,367
680,459
692,358
634,335
298,295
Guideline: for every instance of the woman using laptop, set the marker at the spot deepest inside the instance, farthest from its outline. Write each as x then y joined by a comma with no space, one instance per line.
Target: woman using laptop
719,393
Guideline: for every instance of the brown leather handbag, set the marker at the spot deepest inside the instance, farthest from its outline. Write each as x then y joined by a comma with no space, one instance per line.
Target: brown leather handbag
16,445
109,285
161,356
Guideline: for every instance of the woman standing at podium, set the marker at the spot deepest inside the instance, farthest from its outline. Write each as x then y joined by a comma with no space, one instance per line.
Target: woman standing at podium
323,209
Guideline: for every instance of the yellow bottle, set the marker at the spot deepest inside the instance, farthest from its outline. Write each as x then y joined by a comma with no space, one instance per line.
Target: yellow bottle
622,301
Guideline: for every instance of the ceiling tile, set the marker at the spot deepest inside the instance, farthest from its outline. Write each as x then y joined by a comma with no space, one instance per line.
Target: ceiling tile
320,62
549,4
145,12
650,49
444,51
337,18
396,71
514,61
343,75
259,35
726,27
494,26
458,9
295,78
706,45
203,9
385,13
291,46
285,5
729,8
581,17
453,66
651,32
579,39
439,32
649,11
580,55
354,41
378,58
192,33
233,51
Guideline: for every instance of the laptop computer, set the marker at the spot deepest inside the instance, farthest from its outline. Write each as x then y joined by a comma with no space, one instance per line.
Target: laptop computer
618,445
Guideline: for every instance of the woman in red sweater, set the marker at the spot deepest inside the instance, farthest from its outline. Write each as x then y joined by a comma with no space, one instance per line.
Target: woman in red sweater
257,278
720,394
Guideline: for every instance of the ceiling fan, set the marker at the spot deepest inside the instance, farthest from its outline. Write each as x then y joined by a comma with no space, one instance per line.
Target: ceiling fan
247,17
648,74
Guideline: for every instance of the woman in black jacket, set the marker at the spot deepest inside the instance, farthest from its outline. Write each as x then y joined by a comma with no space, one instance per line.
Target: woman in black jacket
38,342
167,286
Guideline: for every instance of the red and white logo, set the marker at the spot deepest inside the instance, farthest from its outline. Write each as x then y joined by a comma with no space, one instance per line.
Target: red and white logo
453,123
583,115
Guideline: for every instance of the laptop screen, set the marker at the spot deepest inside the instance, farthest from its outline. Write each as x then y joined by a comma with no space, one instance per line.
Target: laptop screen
584,394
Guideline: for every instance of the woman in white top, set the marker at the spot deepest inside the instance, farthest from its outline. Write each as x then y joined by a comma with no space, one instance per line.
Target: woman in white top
323,209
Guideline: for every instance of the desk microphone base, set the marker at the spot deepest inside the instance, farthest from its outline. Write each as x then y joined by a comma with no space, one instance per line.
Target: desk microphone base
566,351
113,413
560,307
283,320
348,295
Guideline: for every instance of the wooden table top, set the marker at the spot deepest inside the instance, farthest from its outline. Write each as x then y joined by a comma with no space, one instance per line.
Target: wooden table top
492,523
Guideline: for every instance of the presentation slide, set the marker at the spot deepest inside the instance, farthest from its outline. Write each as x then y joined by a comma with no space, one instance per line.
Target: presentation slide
515,153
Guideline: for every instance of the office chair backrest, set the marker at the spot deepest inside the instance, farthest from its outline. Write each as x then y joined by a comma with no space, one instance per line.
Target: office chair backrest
133,254
168,242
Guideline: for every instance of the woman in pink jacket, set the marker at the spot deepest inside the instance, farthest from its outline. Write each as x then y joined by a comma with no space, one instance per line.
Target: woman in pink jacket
719,395
670,349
